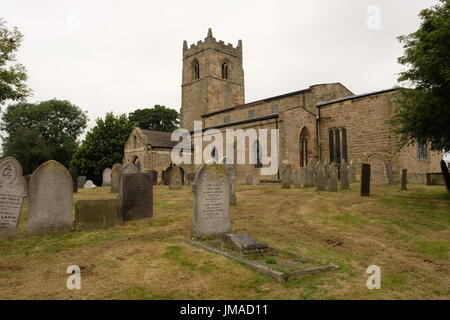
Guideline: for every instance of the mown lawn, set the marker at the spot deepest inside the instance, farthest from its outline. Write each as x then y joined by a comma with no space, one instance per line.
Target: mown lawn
405,233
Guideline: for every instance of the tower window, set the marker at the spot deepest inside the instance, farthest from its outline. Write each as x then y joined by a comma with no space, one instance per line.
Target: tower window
224,70
196,69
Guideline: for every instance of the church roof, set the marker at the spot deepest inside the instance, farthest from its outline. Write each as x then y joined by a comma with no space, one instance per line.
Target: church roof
159,139
324,103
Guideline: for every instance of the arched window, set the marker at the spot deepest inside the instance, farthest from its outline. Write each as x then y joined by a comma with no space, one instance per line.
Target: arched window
196,69
258,163
337,145
303,143
224,70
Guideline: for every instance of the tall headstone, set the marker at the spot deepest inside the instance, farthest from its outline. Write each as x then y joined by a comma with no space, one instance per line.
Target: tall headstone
352,172
115,174
166,177
211,201
296,182
176,178
13,188
81,182
389,173
231,170
446,175
404,178
137,196
365,179
321,177
309,174
344,176
286,177
301,176
154,175
332,181
106,177
51,196
74,181
126,168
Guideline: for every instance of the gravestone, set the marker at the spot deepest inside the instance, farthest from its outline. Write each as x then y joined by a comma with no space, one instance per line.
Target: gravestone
51,195
446,175
231,170
81,182
136,196
244,243
296,182
286,177
404,178
115,174
154,175
352,172
332,181
126,168
89,185
106,177
309,174
365,179
176,178
97,214
166,177
211,201
344,176
74,182
321,177
301,176
389,173
249,180
190,177
13,188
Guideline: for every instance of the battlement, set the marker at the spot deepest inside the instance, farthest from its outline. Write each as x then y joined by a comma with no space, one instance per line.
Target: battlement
210,43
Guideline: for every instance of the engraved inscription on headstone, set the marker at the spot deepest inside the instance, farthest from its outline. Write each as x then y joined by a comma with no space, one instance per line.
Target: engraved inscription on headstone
12,190
211,201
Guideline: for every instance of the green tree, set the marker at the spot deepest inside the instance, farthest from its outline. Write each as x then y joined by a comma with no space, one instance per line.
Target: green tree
54,126
423,112
102,147
12,75
158,118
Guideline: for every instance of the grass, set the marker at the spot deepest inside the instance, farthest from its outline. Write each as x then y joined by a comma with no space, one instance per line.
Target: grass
405,233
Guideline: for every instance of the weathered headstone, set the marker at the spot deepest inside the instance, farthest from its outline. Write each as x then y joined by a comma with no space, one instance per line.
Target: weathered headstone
176,178
249,180
286,177
154,175
13,188
321,177
344,178
74,182
389,173
106,177
296,182
115,175
332,181
352,172
137,196
97,214
166,177
309,174
365,179
51,195
231,170
301,176
81,182
211,201
446,175
404,178
89,185
126,168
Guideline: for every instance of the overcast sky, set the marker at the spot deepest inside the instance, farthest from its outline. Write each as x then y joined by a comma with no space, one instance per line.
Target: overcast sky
123,55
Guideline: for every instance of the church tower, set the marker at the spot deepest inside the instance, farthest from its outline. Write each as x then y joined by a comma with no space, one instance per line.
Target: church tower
213,78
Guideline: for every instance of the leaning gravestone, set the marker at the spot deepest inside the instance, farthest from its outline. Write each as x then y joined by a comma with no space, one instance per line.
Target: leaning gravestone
13,188
89,185
106,177
446,175
404,178
115,174
365,180
137,196
286,177
352,172
211,203
51,196
127,168
176,178
344,178
81,182
332,181
309,174
321,177
154,175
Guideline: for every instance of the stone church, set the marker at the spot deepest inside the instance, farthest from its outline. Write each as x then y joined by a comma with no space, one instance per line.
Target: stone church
324,122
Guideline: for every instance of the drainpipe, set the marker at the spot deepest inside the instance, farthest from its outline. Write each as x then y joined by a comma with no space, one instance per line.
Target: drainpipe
276,127
318,133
